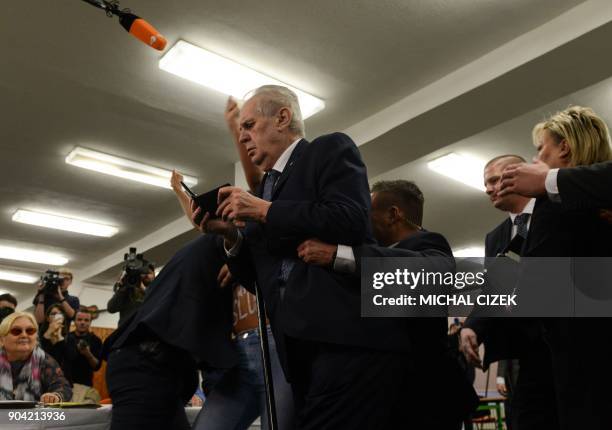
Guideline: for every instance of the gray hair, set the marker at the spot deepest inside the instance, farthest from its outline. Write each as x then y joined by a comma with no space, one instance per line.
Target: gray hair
273,98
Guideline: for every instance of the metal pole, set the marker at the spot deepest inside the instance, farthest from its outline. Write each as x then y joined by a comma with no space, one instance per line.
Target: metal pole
265,358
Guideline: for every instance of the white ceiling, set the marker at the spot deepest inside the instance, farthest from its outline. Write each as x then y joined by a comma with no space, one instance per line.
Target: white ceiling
74,77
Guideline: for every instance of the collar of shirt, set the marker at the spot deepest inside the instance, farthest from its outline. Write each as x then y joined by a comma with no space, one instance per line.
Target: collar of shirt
528,209
281,163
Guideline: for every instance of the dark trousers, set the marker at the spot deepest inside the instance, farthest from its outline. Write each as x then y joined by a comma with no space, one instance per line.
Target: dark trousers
148,384
581,350
534,400
343,387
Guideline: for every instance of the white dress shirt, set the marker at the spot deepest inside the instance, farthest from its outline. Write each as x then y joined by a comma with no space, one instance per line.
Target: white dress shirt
279,166
552,188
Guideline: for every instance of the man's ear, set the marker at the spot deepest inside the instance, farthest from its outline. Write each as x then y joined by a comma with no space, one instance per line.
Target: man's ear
395,214
283,118
565,151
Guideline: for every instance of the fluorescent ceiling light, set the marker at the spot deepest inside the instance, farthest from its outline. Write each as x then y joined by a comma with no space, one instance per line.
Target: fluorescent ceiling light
472,251
463,168
226,76
127,169
23,278
32,256
60,222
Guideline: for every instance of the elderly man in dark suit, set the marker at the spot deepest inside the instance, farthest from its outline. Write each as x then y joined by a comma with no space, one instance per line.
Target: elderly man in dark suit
346,372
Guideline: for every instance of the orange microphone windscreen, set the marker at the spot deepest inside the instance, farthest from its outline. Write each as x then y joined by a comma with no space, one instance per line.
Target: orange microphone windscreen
143,31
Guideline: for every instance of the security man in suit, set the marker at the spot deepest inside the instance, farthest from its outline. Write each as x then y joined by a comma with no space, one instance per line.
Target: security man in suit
345,371
519,209
397,217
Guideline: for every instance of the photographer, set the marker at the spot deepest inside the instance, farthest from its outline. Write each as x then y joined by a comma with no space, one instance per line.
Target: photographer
52,289
130,289
83,351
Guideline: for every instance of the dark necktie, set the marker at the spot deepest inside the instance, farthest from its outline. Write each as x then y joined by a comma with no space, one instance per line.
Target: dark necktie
520,221
268,188
271,178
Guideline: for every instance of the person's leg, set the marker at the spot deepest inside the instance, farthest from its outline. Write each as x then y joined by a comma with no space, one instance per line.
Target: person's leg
581,350
233,404
283,396
339,387
144,395
534,399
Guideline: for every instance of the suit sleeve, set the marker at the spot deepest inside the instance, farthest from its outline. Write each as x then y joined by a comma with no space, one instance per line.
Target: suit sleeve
340,214
443,262
586,187
431,253
242,268
475,320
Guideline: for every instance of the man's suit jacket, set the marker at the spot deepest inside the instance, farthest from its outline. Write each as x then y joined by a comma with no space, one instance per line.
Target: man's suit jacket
498,239
499,335
586,186
185,308
556,230
428,333
427,338
322,193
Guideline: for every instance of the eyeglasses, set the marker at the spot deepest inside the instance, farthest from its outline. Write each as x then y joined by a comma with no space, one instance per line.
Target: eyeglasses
16,331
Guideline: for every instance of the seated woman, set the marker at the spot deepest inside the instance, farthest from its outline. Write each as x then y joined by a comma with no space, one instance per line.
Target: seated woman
26,371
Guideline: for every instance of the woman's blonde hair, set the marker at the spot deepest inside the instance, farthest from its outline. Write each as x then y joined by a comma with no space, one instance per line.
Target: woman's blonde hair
586,134
8,321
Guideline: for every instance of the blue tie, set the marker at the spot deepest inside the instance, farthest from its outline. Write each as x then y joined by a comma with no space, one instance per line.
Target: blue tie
268,188
520,221
271,178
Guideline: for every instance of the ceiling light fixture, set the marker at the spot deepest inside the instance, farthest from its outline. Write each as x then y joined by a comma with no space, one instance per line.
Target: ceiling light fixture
123,168
32,256
226,76
462,168
472,251
22,278
61,222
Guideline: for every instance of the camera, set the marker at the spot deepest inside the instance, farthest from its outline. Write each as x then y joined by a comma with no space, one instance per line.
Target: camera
82,344
134,266
51,281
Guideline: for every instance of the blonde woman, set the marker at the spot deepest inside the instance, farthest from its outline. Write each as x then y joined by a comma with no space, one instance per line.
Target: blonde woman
562,381
26,371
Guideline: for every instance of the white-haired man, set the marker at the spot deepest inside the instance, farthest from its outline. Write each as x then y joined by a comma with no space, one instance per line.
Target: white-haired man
345,371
